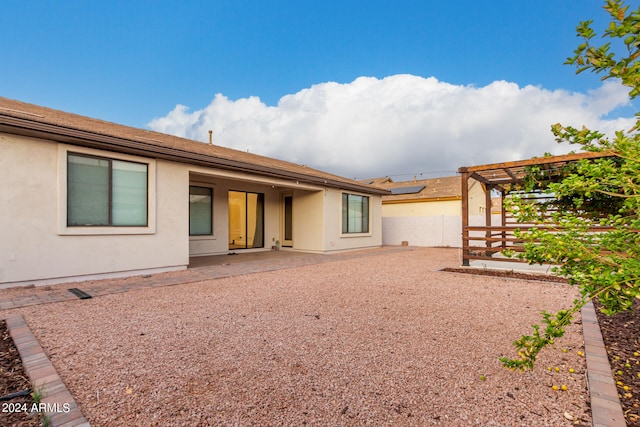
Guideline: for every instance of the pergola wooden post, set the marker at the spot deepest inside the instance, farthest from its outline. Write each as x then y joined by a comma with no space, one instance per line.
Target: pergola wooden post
487,218
465,216
503,218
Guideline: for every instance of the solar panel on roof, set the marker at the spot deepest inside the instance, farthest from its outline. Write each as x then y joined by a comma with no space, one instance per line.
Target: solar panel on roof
407,190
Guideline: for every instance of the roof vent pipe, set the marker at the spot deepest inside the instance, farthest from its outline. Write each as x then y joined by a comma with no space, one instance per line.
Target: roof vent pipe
210,137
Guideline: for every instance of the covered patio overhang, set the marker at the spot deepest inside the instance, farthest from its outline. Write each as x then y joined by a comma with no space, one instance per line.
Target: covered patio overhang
485,242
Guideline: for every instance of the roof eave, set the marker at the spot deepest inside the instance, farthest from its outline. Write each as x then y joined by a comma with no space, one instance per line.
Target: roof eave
47,131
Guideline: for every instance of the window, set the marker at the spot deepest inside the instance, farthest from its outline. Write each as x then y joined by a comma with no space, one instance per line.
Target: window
355,213
200,211
106,192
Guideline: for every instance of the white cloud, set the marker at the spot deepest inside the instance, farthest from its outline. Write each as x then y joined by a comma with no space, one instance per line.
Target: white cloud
399,125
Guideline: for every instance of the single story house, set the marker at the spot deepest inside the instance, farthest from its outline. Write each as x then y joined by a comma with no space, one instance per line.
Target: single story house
426,212
83,198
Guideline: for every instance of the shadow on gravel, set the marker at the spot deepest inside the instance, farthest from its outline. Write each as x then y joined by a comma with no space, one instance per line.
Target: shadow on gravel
508,274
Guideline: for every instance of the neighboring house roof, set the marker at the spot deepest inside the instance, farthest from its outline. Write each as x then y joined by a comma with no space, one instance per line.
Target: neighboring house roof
422,190
20,118
377,181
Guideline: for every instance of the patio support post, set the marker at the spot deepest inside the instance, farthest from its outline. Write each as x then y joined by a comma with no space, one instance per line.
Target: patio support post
465,215
487,217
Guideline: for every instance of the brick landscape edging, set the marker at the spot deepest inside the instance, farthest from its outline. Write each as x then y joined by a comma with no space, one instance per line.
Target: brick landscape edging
60,406
606,410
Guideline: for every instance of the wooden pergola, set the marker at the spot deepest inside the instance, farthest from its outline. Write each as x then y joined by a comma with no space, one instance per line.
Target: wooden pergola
484,242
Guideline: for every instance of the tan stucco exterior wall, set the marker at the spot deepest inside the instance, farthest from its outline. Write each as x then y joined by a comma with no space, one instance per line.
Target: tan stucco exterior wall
308,222
477,200
37,246
317,215
222,183
307,210
424,208
334,240
34,245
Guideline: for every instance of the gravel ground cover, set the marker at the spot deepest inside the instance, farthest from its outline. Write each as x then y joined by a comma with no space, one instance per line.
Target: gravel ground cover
380,340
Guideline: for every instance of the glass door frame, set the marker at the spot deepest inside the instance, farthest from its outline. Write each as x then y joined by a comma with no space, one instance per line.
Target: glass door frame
252,220
287,220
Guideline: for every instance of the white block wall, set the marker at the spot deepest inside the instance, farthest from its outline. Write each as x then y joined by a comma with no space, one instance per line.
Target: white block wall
429,231
435,231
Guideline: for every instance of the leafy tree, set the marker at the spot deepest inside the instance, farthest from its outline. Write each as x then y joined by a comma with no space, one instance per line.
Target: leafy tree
601,193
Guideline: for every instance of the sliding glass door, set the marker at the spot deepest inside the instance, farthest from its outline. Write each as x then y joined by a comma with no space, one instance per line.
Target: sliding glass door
246,220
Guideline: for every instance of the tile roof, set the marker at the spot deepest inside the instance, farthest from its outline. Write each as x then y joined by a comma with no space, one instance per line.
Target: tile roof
434,189
32,120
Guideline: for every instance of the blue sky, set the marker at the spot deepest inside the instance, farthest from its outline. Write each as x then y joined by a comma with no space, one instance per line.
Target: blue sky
133,62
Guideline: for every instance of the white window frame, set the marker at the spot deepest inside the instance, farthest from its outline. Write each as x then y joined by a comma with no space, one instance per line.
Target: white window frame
66,230
213,199
356,234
